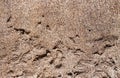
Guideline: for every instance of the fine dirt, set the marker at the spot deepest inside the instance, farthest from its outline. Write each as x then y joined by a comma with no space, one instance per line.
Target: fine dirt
59,38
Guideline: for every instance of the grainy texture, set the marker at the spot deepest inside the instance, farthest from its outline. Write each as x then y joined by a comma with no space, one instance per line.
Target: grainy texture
59,38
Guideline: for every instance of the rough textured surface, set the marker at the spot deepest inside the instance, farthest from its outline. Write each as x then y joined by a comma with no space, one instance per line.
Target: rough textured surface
59,38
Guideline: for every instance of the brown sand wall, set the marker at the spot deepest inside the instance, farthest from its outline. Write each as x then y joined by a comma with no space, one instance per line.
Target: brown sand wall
59,38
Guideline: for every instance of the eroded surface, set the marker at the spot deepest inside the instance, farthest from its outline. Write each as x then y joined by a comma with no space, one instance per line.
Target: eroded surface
59,39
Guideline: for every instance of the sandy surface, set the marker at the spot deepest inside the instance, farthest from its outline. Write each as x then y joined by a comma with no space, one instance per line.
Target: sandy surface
59,38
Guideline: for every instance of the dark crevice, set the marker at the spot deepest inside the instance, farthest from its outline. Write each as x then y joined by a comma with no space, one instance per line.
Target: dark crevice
89,30
10,26
41,56
55,47
57,44
112,61
43,16
10,71
72,39
99,39
69,74
107,38
39,22
74,73
53,77
59,75
48,27
21,30
17,76
52,61
80,50
77,72
58,66
96,64
115,68
47,51
108,46
9,19
97,52
77,35
101,51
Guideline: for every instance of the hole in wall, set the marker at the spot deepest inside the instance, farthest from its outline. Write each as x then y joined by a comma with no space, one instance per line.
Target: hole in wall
58,66
48,27
39,22
43,16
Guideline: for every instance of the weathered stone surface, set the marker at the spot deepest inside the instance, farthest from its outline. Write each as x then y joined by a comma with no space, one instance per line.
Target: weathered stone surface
59,38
